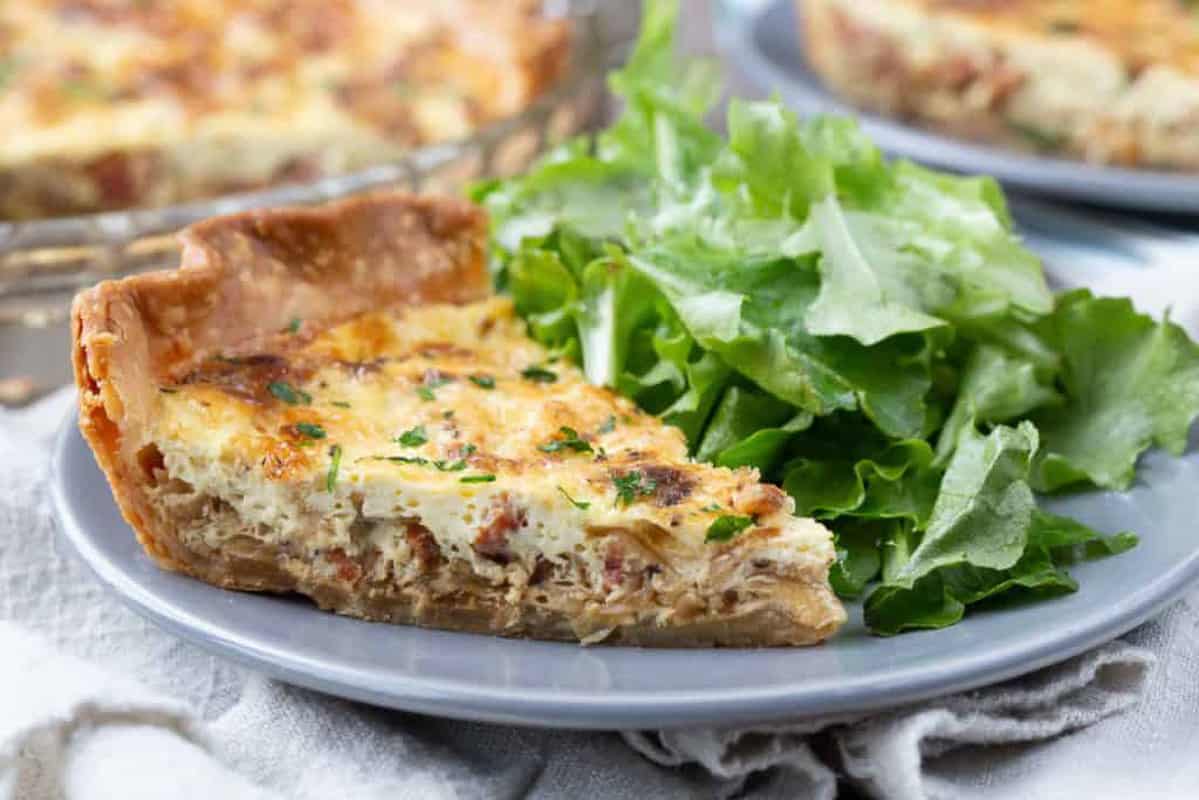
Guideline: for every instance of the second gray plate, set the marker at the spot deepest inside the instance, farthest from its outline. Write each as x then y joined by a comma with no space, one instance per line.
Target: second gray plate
763,39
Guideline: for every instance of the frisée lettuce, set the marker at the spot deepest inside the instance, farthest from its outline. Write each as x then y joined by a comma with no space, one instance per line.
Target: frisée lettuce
870,334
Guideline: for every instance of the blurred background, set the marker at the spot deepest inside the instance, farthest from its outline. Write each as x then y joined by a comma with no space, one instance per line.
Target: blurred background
424,119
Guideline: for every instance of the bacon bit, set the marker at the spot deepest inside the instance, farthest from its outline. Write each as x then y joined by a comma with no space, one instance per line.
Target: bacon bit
434,378
348,570
614,566
152,462
116,178
421,540
1003,82
541,570
957,72
492,541
671,485
759,500
728,599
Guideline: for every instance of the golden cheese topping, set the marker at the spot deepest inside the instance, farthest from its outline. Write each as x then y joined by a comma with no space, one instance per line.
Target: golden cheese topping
450,415
1143,32
148,72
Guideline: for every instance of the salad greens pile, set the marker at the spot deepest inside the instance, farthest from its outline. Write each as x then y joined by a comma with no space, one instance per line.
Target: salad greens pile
871,335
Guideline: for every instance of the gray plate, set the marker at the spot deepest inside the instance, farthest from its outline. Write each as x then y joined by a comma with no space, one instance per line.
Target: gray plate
762,38
563,685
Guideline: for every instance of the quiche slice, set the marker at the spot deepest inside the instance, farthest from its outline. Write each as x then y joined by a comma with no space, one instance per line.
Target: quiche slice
329,401
1108,81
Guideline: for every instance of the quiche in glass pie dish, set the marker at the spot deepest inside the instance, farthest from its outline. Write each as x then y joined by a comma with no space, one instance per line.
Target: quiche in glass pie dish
117,104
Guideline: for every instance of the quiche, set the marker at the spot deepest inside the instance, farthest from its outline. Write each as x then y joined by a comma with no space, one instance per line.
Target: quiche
330,401
113,104
1108,81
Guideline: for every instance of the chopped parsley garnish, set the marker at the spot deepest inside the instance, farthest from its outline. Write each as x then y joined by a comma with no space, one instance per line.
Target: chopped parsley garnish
609,425
727,526
469,449
406,460
442,464
539,375
579,504
289,394
569,441
413,437
448,413
334,466
339,403
483,381
712,507
631,485
433,380
293,326
311,430
477,479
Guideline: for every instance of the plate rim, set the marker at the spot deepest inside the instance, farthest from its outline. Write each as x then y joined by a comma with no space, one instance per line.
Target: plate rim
1107,186
615,710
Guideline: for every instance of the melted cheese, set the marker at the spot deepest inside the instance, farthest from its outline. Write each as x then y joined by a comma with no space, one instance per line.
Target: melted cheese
489,405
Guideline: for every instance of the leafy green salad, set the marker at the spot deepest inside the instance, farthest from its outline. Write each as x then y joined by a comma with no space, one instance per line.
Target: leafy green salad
869,334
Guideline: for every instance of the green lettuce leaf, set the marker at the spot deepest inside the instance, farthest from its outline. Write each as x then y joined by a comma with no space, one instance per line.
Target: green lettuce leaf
1130,382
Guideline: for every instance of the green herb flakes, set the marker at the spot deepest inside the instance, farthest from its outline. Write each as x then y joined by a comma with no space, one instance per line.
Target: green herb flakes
631,485
726,526
477,479
310,429
433,380
569,441
413,437
539,375
579,504
483,381
334,466
406,460
289,394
